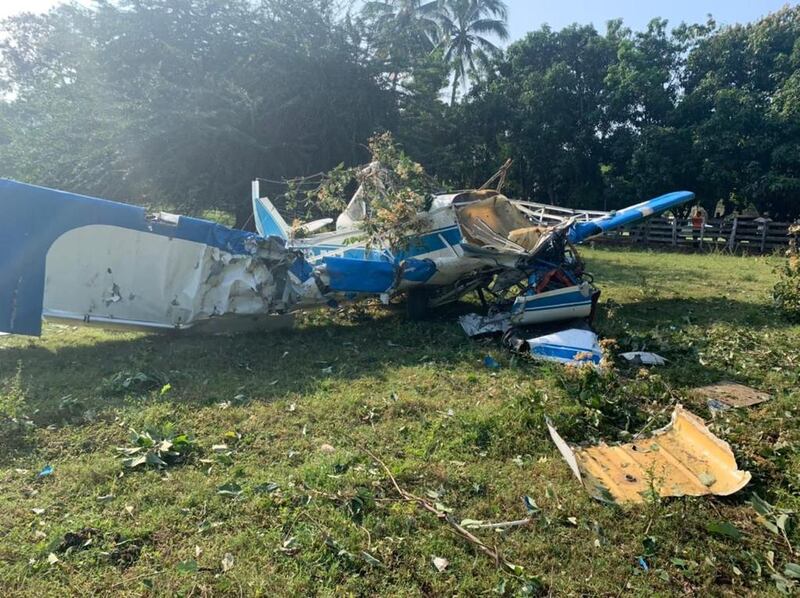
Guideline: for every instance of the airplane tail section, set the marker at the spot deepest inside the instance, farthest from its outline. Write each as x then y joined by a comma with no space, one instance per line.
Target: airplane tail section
582,231
269,222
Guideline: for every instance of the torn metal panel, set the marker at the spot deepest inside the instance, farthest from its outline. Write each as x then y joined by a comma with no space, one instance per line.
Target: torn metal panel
99,262
107,273
682,459
478,325
644,358
561,304
573,346
726,395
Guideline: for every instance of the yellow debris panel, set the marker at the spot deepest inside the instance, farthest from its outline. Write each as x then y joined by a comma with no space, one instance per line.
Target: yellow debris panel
682,459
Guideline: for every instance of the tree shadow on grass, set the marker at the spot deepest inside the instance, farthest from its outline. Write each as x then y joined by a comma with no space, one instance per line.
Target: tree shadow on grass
260,366
652,312
325,350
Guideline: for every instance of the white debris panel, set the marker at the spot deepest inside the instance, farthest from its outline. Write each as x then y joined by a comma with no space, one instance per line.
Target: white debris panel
107,274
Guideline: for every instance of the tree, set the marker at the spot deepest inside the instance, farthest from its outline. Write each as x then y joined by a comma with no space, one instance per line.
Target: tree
464,28
401,33
208,95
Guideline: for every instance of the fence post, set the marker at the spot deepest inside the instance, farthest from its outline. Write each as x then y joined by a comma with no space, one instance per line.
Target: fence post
764,235
647,233
702,231
732,239
674,231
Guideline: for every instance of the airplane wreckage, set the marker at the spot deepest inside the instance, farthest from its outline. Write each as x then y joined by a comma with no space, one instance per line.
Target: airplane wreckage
81,260
75,259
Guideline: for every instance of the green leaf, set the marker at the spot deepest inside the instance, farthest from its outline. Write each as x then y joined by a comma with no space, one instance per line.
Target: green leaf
181,441
761,506
266,488
792,570
189,566
231,490
443,508
723,528
372,560
781,521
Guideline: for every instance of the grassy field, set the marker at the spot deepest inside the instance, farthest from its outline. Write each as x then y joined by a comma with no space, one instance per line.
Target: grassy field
273,492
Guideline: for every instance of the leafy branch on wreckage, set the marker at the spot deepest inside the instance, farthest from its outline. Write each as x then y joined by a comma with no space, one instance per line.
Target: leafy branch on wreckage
392,186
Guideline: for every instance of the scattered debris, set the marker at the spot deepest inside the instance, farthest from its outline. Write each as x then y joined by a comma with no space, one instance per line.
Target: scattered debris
477,325
491,363
440,563
47,470
682,459
727,395
79,540
573,346
227,562
443,515
644,358
230,490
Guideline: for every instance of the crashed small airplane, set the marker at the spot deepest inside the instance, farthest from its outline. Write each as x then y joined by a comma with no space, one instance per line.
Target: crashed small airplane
75,259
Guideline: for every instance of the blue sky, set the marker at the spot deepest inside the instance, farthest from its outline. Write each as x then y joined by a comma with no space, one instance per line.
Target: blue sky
526,15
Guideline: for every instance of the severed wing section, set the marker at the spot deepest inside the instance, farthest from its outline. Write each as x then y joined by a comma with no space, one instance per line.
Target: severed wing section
582,231
76,258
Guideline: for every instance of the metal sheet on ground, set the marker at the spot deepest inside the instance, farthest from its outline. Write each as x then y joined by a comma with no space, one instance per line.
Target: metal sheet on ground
682,459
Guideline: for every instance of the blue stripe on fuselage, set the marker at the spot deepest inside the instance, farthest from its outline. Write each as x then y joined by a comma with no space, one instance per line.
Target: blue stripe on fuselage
556,300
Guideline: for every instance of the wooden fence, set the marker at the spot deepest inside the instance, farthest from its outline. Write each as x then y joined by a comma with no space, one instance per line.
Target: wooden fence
744,235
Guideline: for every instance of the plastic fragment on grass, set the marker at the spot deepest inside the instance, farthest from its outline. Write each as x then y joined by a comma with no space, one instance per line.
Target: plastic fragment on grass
644,358
728,395
682,459
491,363
478,325
573,346
47,470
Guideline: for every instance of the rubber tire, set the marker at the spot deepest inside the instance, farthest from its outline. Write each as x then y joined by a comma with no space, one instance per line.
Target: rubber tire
418,304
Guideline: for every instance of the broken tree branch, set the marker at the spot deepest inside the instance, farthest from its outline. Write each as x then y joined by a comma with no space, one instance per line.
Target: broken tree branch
502,524
442,516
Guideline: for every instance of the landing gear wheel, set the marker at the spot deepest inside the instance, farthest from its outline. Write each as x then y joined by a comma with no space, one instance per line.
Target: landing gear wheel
418,303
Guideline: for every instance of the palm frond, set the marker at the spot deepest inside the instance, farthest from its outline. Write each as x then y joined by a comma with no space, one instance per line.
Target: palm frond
493,26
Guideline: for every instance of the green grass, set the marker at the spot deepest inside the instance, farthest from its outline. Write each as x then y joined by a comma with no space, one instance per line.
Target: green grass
417,395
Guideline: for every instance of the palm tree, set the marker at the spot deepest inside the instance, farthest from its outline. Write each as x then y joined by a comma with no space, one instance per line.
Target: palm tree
402,29
464,26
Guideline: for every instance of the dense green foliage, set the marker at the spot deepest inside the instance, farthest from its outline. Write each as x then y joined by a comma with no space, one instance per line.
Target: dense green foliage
181,102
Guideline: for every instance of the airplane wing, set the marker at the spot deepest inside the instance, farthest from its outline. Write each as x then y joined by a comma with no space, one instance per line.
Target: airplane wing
75,258
581,231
